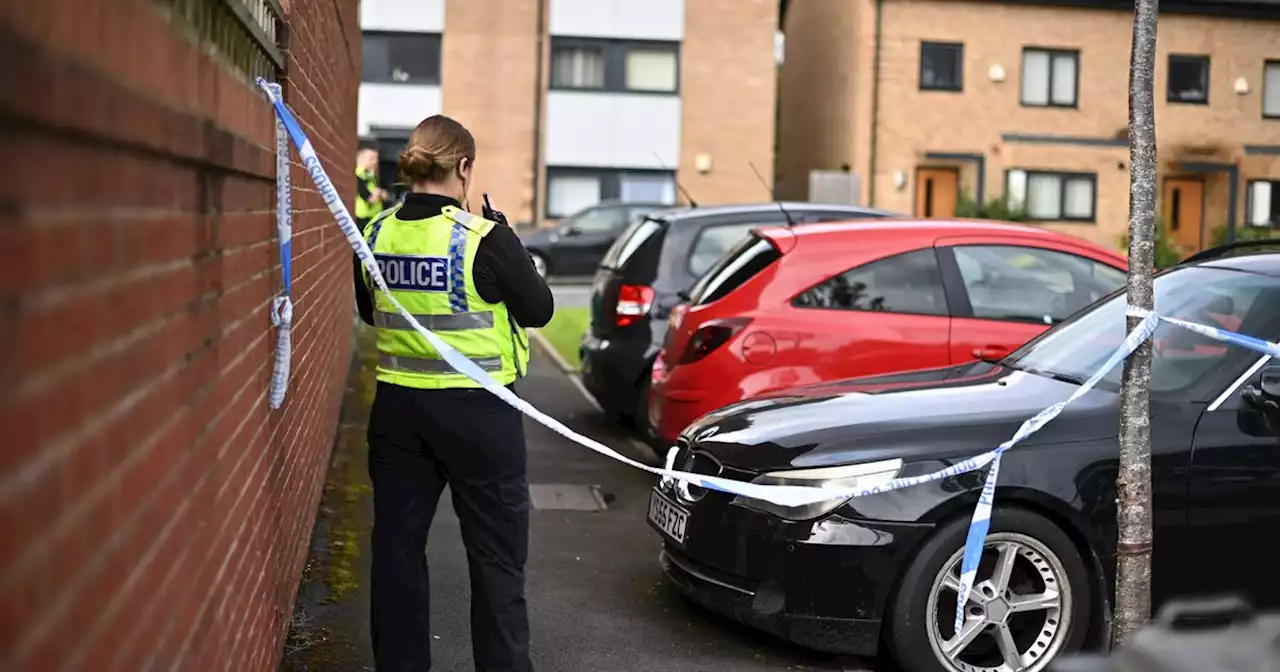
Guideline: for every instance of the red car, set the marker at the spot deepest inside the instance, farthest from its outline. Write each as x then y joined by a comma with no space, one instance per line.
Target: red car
824,302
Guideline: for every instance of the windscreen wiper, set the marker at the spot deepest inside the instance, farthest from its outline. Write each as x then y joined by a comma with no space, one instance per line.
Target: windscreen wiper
1061,377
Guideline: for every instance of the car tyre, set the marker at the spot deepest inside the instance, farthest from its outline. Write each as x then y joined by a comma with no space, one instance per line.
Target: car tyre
1043,556
539,263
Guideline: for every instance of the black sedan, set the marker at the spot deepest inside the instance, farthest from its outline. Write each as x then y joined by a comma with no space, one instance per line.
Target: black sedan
577,243
880,574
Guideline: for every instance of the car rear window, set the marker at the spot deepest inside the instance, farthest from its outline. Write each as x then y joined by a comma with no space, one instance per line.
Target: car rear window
626,245
745,261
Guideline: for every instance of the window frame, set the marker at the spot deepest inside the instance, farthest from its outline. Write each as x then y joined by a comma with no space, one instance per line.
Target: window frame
1063,175
1051,52
943,293
1267,65
614,53
435,39
958,48
958,292
1203,60
610,184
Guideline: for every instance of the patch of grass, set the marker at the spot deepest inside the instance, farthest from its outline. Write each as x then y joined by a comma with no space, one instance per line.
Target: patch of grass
564,332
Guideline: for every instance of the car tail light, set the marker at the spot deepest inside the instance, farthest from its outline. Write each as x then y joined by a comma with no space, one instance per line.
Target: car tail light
710,336
634,302
659,367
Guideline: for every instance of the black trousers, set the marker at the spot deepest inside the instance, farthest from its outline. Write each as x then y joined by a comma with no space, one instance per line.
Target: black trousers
419,441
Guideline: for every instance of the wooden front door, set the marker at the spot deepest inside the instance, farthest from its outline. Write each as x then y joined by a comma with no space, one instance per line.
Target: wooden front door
1183,212
937,190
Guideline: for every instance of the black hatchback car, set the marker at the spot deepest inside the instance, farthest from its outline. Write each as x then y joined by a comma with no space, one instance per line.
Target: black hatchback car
880,573
576,244
643,277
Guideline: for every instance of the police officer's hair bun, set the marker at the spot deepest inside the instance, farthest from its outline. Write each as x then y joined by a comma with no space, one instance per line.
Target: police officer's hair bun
434,151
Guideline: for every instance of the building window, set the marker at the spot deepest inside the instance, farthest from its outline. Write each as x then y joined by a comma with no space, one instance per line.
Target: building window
1050,77
572,189
1188,79
1271,90
651,70
577,68
1264,203
1051,196
941,66
614,65
401,58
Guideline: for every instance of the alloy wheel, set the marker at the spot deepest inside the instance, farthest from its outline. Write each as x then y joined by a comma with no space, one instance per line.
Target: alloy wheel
539,264
1017,616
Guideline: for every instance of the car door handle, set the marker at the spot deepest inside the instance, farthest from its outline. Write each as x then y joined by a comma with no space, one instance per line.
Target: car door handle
990,352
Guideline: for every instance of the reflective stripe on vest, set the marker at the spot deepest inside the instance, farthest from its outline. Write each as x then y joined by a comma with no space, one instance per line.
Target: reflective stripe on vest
415,365
451,322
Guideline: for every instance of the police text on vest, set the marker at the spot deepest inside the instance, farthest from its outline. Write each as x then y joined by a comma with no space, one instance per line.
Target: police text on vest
414,274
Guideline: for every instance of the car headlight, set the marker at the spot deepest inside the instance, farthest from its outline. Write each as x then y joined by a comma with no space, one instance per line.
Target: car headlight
864,475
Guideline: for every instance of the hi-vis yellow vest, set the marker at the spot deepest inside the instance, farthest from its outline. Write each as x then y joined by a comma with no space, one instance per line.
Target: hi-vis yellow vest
367,209
428,265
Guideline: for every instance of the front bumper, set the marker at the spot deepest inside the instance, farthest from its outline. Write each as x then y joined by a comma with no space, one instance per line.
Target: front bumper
823,584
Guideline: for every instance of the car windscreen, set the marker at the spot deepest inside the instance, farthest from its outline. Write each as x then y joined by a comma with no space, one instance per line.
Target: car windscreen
626,245
743,262
1225,298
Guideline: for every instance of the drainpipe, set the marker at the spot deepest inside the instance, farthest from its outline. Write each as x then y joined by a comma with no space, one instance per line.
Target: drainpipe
875,107
537,116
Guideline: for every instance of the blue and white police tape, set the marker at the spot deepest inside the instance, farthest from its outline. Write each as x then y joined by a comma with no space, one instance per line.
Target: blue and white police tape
784,495
282,306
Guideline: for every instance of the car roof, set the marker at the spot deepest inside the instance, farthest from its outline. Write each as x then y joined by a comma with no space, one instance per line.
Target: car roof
683,214
958,227
1265,263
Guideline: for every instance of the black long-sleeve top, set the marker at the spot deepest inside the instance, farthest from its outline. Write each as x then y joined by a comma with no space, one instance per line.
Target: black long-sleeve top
503,271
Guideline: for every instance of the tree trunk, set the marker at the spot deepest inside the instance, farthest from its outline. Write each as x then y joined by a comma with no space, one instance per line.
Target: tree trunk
1133,512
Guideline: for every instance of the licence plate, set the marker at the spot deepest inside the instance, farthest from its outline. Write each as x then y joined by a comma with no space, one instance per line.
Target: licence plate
667,517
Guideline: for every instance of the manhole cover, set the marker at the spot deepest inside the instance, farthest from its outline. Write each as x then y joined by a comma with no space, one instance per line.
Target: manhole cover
557,497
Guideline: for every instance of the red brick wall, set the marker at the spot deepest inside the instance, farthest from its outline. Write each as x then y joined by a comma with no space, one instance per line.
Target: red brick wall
154,513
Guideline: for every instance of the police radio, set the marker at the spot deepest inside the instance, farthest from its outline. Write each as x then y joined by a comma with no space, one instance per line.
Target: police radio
490,214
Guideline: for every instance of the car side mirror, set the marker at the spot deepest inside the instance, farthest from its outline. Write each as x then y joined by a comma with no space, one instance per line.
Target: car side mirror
1264,397
1269,382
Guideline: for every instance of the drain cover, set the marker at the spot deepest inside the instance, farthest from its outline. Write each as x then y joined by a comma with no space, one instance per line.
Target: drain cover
559,497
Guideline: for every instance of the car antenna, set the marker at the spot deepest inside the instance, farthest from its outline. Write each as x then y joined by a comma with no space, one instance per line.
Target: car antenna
772,195
687,197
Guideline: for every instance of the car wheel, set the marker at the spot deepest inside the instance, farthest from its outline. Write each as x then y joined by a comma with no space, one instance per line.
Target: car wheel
539,263
1030,602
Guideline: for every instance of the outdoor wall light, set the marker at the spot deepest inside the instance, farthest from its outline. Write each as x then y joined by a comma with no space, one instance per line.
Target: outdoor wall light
703,163
996,73
899,180
1242,85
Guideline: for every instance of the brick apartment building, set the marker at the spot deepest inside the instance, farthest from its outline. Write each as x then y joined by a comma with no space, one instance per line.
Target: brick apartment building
577,101
155,512
926,100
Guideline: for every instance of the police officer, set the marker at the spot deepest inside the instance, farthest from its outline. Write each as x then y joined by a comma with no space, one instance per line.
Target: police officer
370,199
470,280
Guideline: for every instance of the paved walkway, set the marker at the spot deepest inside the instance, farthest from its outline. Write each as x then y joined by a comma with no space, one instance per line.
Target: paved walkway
597,598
